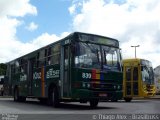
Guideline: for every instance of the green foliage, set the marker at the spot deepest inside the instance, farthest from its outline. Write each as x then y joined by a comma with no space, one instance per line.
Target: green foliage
3,68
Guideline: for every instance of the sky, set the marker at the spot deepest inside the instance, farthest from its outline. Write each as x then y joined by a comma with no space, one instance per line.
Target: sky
26,25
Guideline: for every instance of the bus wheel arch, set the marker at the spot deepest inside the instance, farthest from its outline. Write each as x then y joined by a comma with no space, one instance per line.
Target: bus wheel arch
53,95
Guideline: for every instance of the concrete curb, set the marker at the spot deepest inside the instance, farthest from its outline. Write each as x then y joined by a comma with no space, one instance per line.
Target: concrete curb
6,96
147,98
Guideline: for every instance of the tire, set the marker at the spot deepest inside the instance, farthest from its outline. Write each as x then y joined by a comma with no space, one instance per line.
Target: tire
16,95
43,100
54,97
22,99
93,103
18,98
128,99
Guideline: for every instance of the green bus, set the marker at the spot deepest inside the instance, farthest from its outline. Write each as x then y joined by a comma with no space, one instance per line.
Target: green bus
81,67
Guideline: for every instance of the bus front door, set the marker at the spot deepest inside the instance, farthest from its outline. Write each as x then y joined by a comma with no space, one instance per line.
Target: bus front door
65,71
131,82
31,64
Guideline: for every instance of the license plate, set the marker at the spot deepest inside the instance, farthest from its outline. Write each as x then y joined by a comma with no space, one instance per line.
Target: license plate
102,95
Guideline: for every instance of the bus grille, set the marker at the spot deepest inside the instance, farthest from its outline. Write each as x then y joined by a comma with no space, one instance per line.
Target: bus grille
102,86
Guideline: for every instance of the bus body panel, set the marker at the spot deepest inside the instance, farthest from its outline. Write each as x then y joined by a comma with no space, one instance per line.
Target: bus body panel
134,84
56,65
96,84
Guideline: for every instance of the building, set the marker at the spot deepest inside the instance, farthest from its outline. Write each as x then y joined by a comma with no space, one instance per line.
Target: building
157,78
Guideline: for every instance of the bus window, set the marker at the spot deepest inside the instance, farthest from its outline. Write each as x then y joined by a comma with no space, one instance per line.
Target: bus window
145,74
53,55
110,58
128,73
45,57
128,88
23,66
66,57
135,88
17,66
40,58
135,73
37,62
49,56
12,69
87,55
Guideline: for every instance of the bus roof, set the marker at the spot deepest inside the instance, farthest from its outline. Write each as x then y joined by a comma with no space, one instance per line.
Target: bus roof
134,59
63,39
138,60
94,35
131,59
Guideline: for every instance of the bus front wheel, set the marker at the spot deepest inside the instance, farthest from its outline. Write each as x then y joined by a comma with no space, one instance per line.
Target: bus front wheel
128,99
94,103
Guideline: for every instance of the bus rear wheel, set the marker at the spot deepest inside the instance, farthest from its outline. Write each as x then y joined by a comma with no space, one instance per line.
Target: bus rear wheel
16,95
18,98
53,97
93,103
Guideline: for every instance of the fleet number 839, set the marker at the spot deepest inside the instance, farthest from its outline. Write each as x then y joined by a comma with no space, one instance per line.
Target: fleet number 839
86,75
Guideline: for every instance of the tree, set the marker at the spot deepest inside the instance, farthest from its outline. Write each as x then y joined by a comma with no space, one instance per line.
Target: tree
3,68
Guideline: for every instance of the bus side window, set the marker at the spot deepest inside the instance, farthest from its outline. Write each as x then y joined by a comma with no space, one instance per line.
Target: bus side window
135,73
17,66
12,69
66,57
41,58
45,57
55,59
22,66
37,61
49,56
128,73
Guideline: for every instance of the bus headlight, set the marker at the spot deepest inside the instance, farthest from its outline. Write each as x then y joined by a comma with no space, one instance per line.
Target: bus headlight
84,85
88,85
59,83
118,87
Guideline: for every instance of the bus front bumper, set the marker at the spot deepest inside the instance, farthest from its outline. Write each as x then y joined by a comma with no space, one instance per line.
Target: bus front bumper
101,95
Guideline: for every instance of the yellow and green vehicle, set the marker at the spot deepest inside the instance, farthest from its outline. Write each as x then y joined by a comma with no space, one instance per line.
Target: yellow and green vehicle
138,79
80,67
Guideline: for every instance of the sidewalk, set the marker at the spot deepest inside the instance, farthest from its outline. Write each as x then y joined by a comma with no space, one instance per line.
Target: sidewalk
147,98
156,97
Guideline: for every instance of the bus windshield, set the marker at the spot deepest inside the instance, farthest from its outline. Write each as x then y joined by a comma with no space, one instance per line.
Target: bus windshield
147,72
89,55
111,58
